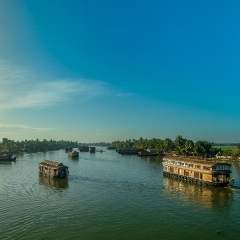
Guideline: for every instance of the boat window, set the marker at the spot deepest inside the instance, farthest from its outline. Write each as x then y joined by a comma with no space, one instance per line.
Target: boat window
165,168
179,163
190,165
222,167
197,166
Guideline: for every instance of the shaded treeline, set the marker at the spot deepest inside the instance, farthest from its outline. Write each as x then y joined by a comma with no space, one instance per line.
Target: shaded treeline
180,146
34,145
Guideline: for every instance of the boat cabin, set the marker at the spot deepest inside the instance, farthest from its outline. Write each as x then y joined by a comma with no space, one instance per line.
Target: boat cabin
53,169
198,171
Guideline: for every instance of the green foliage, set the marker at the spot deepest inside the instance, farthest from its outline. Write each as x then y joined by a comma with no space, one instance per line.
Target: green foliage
34,145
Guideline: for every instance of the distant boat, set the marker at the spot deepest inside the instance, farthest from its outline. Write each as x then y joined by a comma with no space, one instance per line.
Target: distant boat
53,169
92,149
73,154
148,152
84,148
129,151
7,157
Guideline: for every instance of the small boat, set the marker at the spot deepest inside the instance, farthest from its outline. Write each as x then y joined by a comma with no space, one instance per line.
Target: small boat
73,154
148,152
7,157
53,169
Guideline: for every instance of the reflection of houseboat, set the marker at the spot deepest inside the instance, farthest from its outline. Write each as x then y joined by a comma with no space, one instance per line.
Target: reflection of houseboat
207,197
198,171
53,182
73,154
53,169
92,149
7,157
148,152
128,151
84,148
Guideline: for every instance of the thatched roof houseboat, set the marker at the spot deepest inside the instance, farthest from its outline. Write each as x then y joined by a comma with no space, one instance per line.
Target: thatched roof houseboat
73,154
205,172
53,169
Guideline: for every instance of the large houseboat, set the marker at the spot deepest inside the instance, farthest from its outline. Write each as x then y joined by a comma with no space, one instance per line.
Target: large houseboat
205,172
53,169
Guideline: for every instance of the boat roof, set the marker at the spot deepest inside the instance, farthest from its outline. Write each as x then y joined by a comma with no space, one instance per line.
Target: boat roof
196,160
52,164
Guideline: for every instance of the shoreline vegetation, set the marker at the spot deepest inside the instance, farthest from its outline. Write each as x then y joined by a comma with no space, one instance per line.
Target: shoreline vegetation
180,146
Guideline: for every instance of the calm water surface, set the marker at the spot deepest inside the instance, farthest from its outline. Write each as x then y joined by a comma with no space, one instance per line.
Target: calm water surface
110,196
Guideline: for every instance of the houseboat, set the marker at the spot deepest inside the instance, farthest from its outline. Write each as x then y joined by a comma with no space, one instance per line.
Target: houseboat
92,149
204,172
129,151
84,148
148,152
73,154
53,169
7,158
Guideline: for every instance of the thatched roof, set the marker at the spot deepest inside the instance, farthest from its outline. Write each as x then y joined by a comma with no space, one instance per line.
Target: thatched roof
51,163
195,160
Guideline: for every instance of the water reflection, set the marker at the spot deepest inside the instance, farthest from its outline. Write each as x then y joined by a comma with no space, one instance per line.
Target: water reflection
208,197
53,182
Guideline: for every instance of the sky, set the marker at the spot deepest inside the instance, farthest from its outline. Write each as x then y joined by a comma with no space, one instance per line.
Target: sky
91,70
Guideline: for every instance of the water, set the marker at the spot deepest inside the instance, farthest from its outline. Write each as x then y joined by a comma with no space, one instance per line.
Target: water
110,196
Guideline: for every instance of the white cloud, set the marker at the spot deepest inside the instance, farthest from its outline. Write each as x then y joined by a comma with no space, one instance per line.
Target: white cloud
25,88
23,127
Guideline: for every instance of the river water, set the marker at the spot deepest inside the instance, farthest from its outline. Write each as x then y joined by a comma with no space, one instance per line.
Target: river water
111,196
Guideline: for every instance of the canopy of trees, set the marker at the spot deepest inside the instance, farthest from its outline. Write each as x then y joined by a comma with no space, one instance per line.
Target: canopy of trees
34,145
180,146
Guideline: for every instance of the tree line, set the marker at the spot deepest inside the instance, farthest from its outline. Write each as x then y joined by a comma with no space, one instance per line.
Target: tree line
180,146
34,145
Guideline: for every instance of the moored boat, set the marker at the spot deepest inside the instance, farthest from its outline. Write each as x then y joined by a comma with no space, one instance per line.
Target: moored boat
148,152
129,151
92,149
84,148
7,157
53,169
205,172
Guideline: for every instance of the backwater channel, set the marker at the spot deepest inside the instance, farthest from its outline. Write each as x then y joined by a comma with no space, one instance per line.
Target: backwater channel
112,196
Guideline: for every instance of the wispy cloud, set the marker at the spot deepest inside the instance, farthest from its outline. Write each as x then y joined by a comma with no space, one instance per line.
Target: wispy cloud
23,127
121,94
25,88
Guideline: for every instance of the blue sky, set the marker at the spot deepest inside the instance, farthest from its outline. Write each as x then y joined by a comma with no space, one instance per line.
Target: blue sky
113,70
